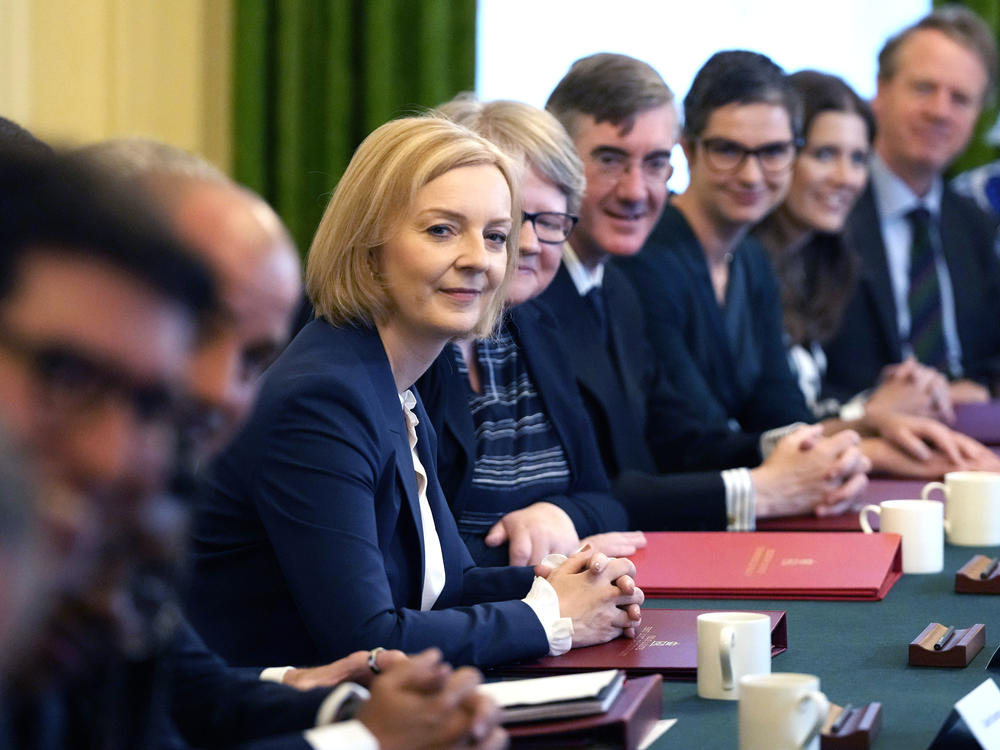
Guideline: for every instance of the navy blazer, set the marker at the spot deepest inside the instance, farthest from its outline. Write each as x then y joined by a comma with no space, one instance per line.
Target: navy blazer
687,330
307,542
868,336
588,501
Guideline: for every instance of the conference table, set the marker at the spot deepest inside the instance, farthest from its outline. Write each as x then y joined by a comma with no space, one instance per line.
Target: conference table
859,650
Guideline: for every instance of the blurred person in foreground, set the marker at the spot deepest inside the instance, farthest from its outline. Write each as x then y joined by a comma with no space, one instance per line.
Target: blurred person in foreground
256,268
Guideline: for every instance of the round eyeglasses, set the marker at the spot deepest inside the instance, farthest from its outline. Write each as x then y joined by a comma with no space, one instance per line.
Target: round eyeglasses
551,227
724,155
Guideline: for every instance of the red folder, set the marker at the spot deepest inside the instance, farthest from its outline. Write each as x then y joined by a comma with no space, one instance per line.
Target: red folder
768,565
667,643
625,724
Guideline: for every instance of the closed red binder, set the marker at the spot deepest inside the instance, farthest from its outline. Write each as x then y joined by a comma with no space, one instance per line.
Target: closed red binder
625,724
667,643
768,565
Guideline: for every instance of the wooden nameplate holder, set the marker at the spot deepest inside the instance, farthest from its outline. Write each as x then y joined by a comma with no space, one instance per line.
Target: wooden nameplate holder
969,578
957,651
855,731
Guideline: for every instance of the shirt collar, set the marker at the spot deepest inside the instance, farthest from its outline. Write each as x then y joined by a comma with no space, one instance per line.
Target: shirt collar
583,278
893,197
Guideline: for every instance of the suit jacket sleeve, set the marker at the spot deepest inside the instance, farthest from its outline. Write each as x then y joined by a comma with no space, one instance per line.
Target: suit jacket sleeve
213,705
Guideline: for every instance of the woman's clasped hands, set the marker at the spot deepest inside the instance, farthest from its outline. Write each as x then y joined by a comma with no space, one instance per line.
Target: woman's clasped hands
598,593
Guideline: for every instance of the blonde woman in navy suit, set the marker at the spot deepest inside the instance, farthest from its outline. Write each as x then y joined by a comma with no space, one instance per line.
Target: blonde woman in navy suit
324,529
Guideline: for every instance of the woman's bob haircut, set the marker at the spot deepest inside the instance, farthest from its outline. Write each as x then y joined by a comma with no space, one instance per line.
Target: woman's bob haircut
370,204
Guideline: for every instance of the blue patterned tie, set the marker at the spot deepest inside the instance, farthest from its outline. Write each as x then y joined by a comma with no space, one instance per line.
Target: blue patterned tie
926,322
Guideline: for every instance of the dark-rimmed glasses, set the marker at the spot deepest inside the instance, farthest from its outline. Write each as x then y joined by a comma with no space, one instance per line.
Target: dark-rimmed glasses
73,382
724,155
551,227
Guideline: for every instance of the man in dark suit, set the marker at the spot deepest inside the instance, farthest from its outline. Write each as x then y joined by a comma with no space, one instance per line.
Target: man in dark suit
932,81
622,118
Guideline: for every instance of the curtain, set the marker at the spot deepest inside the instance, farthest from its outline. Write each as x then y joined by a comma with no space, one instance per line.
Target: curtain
979,151
313,77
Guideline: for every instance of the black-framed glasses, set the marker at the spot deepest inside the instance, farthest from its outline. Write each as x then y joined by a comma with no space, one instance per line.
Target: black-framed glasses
74,382
612,165
551,227
724,155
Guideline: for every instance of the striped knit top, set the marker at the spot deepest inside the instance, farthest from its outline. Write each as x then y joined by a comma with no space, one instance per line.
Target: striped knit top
519,458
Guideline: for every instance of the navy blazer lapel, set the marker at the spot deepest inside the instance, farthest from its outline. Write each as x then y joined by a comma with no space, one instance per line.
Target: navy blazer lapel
864,234
591,362
441,512
376,365
621,296
458,419
570,311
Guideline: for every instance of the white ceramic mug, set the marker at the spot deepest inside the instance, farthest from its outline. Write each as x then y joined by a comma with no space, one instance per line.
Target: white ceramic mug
971,507
920,523
731,645
781,711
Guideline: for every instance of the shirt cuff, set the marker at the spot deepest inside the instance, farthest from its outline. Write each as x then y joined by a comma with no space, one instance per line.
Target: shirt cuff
275,674
544,602
347,734
770,438
741,512
855,408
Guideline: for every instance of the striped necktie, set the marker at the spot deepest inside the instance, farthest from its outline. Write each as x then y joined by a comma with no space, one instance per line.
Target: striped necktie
926,322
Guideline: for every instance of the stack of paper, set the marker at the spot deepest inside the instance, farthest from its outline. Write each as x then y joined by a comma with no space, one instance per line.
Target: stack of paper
557,697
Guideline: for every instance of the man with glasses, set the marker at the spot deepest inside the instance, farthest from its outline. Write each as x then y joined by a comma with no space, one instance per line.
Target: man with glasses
929,285
621,117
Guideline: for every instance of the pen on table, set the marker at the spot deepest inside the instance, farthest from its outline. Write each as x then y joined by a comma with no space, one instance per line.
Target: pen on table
990,569
845,712
944,638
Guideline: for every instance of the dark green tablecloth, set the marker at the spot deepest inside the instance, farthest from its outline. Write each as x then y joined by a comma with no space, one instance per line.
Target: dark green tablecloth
859,651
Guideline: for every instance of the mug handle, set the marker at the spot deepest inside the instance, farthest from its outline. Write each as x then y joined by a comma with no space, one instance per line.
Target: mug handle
863,517
928,489
727,639
822,705
931,486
